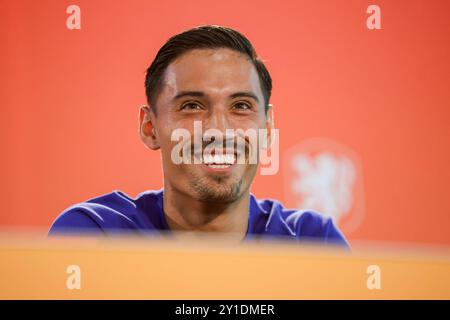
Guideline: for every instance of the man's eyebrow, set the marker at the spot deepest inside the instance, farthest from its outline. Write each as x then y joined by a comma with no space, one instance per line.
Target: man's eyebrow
189,93
247,94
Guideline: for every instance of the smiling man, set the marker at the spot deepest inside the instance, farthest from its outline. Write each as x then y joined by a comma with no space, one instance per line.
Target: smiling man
211,76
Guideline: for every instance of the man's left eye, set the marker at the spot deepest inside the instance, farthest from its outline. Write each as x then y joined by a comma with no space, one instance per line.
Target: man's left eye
242,106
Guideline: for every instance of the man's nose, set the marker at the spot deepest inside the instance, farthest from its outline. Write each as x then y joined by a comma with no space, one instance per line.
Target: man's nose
217,120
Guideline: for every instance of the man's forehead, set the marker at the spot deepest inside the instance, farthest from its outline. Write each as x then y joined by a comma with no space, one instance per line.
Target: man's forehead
213,71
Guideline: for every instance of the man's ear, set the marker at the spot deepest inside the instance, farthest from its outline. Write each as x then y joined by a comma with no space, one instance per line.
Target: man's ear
269,127
147,129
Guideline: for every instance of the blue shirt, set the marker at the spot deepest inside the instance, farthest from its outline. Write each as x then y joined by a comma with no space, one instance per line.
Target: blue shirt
116,212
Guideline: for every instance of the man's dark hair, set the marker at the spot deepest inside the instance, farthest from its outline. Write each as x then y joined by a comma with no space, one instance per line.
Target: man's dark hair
202,37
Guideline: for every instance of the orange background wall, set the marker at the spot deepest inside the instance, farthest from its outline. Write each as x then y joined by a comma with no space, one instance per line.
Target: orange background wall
69,100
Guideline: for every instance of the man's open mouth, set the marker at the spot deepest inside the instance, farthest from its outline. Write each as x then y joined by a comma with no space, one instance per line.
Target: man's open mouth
222,161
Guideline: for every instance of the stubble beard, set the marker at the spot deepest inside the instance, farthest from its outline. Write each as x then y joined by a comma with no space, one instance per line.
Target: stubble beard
216,189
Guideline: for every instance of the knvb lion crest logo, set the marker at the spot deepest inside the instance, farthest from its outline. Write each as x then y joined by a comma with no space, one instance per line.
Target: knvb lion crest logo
326,177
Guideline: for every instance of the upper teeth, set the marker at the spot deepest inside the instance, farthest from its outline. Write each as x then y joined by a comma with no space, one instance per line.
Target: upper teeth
219,159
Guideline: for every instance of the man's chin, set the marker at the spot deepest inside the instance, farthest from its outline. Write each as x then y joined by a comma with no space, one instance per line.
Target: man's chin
218,191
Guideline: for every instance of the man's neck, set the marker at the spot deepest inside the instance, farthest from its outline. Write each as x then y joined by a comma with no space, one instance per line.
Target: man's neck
184,213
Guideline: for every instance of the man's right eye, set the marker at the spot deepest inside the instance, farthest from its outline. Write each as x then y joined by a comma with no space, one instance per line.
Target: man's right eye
191,106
